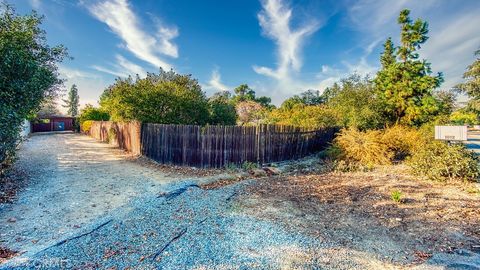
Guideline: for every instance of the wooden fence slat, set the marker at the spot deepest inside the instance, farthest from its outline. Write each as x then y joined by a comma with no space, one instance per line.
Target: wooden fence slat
213,146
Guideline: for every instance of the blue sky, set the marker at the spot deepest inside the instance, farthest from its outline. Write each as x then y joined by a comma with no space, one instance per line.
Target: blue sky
278,47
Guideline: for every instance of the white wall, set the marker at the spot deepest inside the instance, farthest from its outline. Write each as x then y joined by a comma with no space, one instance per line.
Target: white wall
25,128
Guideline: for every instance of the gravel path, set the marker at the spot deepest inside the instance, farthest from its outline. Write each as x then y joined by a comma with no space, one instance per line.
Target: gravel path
89,207
73,181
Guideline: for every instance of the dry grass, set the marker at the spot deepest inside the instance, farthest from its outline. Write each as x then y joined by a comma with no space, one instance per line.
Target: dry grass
355,211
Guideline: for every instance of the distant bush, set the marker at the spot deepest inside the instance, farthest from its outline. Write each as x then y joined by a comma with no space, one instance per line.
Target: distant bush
308,116
376,147
461,117
92,113
440,161
86,125
365,148
402,141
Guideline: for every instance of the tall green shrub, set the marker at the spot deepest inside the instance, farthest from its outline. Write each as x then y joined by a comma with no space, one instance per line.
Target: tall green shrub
28,74
167,98
440,161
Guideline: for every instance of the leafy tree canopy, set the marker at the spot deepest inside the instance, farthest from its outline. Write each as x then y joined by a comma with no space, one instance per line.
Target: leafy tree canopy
92,113
222,110
244,93
471,86
167,98
356,103
309,97
28,74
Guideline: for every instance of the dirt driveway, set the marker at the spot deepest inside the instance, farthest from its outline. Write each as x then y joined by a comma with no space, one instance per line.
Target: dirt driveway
89,206
73,181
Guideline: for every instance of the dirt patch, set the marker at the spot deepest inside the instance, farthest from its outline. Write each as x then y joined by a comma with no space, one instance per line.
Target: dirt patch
176,171
6,254
356,211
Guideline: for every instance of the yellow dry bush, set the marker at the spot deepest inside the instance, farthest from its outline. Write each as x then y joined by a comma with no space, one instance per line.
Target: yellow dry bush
377,147
366,148
402,141
86,125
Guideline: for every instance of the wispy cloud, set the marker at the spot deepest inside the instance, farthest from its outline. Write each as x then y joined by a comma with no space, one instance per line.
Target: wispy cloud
453,30
110,71
215,83
121,19
35,3
122,68
275,20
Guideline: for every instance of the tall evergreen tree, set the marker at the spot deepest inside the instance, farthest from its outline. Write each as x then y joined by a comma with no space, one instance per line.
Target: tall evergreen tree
472,85
72,102
388,55
405,84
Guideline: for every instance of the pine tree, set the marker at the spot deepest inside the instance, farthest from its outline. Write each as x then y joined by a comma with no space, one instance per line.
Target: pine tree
72,102
388,56
472,85
405,84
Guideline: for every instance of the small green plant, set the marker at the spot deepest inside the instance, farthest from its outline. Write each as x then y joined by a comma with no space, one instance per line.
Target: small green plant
231,167
247,166
473,190
396,196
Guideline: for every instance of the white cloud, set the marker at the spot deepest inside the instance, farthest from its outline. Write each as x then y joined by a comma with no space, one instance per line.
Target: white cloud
130,67
215,83
275,19
110,71
120,18
35,3
123,68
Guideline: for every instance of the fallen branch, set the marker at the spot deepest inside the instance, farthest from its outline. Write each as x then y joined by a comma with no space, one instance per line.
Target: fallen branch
182,232
231,196
78,236
177,192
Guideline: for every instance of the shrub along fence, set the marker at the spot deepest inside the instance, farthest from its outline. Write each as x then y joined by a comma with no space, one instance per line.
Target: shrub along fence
213,146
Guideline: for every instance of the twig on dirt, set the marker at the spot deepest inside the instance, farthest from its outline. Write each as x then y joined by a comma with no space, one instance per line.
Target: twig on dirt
180,234
231,196
172,194
78,236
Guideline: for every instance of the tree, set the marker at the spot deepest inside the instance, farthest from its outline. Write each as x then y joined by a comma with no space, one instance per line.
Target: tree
388,56
405,84
300,115
244,93
167,98
72,102
356,104
48,108
472,85
92,113
28,74
222,111
309,97
250,112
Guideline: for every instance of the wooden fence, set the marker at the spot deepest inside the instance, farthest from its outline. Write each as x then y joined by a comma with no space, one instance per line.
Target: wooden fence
123,135
218,146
